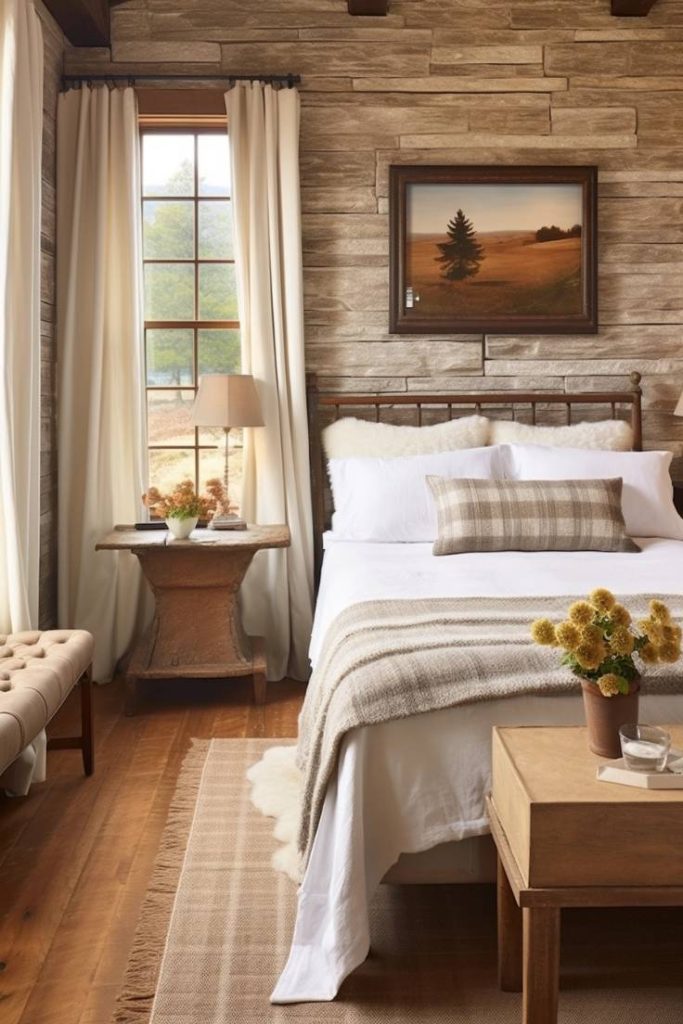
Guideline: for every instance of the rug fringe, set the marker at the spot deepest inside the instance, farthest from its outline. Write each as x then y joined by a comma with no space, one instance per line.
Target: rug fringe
134,1002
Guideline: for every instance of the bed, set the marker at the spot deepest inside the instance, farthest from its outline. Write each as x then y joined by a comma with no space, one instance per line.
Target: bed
406,803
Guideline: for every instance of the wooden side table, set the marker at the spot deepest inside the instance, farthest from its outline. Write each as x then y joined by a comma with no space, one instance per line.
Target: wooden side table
197,629
566,840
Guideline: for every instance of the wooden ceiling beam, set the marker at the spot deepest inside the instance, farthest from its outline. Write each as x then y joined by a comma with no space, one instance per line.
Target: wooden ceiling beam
632,8
368,8
83,22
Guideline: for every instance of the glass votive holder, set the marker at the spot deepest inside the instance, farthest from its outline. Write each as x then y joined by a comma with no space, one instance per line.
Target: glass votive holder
645,748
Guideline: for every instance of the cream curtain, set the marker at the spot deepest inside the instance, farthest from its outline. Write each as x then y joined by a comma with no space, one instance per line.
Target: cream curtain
264,144
21,121
100,402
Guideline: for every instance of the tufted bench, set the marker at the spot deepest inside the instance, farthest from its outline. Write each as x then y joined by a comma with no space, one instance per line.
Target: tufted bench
38,670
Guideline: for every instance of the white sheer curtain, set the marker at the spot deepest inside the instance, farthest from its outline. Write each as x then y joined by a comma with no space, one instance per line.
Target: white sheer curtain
264,144
99,307
21,127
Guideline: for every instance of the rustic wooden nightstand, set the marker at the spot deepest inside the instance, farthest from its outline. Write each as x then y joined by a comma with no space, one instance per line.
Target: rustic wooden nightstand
566,840
197,630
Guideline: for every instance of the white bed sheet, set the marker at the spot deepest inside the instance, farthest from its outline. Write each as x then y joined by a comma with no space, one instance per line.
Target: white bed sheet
408,785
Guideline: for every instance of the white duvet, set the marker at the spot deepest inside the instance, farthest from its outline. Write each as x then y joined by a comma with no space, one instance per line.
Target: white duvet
354,571
408,785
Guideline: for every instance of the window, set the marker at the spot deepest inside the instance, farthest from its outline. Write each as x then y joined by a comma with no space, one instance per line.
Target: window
191,325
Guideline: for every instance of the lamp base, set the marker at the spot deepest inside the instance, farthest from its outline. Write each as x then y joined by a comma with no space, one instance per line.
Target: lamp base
227,521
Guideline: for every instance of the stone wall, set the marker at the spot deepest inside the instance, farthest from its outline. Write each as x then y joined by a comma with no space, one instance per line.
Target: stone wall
461,81
54,50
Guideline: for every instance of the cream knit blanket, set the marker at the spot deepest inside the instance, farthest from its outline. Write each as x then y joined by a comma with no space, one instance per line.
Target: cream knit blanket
384,660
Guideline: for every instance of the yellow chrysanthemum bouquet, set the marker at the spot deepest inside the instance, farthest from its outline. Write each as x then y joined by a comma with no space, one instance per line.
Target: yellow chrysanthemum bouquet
599,640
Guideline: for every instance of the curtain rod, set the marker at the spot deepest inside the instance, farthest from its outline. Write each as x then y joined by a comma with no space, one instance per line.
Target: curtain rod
72,81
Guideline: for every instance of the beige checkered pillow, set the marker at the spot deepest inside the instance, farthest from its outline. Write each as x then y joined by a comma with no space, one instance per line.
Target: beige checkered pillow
529,515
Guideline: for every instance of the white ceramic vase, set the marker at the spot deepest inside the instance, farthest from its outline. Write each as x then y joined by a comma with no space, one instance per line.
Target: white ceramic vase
181,528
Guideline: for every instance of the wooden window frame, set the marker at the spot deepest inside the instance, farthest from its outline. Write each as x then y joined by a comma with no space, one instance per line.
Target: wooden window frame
196,125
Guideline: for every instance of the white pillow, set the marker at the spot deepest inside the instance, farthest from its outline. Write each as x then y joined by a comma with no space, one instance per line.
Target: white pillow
389,500
351,438
607,435
647,497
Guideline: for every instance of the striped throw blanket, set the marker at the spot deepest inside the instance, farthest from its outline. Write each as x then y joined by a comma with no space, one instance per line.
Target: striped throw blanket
384,660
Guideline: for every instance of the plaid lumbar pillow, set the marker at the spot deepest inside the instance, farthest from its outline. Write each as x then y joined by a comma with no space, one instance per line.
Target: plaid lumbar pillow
529,515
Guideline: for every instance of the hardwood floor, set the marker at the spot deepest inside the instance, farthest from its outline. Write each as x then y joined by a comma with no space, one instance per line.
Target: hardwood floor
76,854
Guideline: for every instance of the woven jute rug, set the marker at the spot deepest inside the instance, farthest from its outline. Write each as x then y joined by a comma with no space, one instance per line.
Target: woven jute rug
216,924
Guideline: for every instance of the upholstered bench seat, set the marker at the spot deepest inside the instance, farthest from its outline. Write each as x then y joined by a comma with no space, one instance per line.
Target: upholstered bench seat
38,670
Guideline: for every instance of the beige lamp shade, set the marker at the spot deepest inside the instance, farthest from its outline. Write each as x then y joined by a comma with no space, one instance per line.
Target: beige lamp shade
678,411
227,400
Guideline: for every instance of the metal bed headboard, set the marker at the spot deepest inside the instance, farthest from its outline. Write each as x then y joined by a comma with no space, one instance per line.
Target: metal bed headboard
453,405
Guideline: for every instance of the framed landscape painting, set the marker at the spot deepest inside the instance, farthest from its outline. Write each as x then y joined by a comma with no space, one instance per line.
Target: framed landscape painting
496,250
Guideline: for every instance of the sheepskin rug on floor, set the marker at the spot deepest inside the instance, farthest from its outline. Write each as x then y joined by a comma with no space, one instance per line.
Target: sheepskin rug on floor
276,785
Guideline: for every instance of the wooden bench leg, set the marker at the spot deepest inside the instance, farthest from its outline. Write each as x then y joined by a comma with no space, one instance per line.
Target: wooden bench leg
86,741
260,682
541,971
509,936
87,730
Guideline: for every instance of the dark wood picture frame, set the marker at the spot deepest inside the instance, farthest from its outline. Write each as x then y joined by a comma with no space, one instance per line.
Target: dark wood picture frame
401,178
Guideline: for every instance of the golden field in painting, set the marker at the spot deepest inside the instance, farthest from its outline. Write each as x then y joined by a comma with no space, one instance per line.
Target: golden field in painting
518,276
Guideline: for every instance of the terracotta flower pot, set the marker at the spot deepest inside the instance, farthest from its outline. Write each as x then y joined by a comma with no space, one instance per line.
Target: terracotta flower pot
605,716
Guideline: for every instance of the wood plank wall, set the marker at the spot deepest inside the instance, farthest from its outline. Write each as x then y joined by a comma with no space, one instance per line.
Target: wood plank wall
54,52
461,81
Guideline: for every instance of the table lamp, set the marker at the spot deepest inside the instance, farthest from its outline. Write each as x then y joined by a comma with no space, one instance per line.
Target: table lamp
227,400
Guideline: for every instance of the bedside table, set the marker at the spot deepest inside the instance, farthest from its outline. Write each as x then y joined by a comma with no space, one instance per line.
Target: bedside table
566,840
197,629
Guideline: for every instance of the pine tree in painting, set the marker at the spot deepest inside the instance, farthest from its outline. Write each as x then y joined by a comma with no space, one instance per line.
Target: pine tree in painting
462,254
